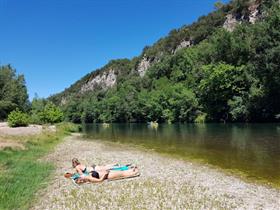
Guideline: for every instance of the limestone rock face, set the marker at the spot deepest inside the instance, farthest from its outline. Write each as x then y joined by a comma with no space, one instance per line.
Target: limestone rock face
230,23
183,44
104,80
254,14
144,64
63,101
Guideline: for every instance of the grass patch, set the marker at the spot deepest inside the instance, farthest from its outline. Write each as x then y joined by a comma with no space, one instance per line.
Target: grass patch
24,175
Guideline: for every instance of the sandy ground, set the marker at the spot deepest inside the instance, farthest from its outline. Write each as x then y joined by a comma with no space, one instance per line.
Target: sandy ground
9,136
165,183
20,131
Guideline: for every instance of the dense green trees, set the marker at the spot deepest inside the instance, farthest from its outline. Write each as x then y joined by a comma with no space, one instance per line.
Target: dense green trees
43,111
13,92
222,91
15,106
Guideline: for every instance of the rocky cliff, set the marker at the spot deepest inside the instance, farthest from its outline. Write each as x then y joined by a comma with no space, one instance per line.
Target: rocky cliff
143,66
103,80
252,14
228,17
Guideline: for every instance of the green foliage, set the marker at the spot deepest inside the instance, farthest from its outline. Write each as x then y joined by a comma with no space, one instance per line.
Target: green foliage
22,175
37,110
201,118
221,83
223,76
43,111
13,92
68,127
52,113
218,5
238,108
17,118
266,61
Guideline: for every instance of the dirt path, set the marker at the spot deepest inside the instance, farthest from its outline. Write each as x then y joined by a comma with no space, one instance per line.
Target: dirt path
165,183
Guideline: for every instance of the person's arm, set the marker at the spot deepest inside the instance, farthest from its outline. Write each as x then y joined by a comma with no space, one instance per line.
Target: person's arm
79,170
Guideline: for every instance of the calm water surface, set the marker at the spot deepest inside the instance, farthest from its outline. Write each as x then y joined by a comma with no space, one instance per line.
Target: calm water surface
253,149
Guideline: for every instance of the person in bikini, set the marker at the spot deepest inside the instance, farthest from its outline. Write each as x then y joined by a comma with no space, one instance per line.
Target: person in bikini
100,176
81,169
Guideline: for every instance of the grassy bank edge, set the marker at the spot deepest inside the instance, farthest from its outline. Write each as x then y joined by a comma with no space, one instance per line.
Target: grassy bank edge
22,173
194,160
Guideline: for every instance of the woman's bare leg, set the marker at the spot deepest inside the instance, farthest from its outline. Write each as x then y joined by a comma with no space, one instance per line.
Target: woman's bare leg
123,174
104,168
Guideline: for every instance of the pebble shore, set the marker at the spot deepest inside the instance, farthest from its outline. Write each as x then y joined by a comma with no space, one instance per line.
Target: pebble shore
165,182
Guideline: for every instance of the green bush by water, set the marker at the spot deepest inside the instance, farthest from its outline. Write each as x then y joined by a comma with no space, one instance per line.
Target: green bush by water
17,118
43,111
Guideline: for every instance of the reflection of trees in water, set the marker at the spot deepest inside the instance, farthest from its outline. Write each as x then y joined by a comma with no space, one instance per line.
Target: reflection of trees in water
256,147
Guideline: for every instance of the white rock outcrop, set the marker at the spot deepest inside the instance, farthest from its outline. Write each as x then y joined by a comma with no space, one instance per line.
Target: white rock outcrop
103,80
183,44
142,67
230,23
254,13
63,101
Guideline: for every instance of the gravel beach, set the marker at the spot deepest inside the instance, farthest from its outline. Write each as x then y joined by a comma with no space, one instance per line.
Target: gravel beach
165,183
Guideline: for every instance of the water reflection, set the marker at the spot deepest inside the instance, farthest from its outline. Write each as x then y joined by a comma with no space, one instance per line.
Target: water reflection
251,148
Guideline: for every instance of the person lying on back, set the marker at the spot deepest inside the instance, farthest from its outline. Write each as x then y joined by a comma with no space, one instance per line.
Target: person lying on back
82,169
102,175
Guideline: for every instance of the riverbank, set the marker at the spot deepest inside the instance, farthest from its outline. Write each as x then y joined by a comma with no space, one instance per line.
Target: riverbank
22,175
165,182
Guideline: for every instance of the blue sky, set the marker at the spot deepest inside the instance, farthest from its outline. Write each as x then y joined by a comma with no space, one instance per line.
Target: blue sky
56,42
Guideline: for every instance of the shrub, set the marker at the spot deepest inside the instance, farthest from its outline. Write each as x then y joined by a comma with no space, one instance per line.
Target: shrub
17,118
69,127
37,118
52,113
201,118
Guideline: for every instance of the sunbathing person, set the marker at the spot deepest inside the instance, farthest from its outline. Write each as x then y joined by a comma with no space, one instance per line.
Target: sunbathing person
81,169
96,177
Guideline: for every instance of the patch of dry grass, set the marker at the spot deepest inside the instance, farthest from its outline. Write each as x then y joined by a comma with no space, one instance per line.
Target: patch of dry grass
8,143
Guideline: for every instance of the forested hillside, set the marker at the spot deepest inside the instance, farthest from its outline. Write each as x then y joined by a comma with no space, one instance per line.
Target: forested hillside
224,67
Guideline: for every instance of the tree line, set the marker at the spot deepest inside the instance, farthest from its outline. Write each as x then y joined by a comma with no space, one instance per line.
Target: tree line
15,105
224,77
227,77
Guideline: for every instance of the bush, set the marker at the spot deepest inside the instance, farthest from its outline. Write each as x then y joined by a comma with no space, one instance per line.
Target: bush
37,118
201,118
45,112
69,127
52,113
17,118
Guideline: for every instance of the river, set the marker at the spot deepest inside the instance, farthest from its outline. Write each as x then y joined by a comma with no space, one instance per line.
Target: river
252,150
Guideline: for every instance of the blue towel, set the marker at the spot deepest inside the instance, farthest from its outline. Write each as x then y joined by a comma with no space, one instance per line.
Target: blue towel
119,168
